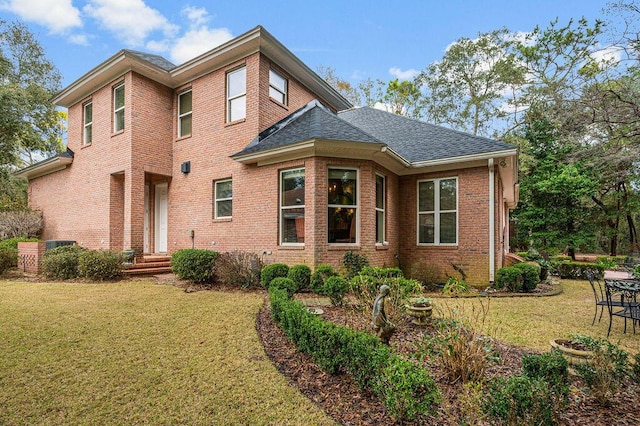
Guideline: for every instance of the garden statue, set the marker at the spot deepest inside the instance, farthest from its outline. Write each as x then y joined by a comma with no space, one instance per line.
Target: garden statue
383,327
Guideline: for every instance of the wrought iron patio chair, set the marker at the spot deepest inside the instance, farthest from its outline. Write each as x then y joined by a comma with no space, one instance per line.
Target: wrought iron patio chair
598,294
626,292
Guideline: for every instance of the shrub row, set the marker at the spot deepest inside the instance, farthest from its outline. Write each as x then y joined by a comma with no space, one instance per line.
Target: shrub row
69,262
576,270
406,389
521,277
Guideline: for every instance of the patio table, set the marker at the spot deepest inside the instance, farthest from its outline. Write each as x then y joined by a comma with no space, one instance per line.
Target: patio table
627,291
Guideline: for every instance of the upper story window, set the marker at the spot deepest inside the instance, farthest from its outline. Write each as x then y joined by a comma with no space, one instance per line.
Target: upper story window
342,206
118,108
223,199
237,94
88,123
277,87
292,206
438,211
380,207
184,113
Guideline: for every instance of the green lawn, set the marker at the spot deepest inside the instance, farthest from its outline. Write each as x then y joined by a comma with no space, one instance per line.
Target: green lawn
534,321
137,353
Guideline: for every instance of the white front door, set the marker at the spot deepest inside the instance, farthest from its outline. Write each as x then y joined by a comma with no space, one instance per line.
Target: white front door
161,218
147,214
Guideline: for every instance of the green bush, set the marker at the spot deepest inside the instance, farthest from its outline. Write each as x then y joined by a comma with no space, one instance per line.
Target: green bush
635,369
195,265
353,263
238,268
13,242
374,271
551,367
365,287
455,286
274,270
405,388
61,263
576,271
301,275
285,284
509,278
321,273
519,400
530,275
336,288
8,258
100,265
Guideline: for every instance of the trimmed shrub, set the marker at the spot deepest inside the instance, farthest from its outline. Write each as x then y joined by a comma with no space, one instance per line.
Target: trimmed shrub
405,388
519,400
61,263
13,242
238,268
575,271
274,270
195,265
530,275
8,258
321,273
353,263
509,278
551,367
284,283
100,265
301,275
336,288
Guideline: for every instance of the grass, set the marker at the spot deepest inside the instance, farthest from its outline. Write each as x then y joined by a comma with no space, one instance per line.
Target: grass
138,353
533,321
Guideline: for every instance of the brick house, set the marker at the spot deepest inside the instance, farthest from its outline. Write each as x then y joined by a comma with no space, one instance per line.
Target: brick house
246,148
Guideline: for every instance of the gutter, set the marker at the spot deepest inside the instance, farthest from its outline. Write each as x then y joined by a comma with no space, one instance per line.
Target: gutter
492,222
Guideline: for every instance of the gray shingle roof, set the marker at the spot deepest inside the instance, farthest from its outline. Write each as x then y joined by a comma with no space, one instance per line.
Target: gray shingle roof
416,140
156,60
313,121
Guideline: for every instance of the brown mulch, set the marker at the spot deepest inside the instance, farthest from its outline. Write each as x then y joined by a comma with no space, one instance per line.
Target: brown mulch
340,398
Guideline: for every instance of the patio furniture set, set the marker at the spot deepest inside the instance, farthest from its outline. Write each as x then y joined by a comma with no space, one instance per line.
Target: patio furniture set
619,295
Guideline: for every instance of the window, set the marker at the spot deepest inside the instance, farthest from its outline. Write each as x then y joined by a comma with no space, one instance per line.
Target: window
184,114
292,206
342,206
380,204
88,123
118,108
438,211
277,87
237,95
224,199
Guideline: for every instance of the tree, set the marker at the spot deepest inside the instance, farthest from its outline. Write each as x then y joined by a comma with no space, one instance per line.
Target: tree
343,87
30,124
469,87
402,98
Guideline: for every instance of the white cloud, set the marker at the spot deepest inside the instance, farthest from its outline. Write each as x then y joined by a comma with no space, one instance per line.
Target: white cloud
403,75
58,16
608,54
199,38
80,39
132,21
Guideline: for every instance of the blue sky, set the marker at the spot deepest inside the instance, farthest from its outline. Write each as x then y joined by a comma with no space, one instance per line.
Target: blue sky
359,39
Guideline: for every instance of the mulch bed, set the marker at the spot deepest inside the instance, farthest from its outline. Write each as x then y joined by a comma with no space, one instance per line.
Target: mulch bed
340,398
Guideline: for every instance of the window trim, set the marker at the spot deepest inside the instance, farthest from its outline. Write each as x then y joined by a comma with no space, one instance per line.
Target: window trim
116,110
437,212
355,206
282,208
216,199
182,115
87,125
243,94
284,94
383,209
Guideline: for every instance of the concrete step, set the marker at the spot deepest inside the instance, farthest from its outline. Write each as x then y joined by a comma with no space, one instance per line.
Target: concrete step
153,258
147,271
158,264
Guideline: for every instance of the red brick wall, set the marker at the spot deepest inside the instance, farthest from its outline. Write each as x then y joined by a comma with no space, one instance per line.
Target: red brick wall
30,256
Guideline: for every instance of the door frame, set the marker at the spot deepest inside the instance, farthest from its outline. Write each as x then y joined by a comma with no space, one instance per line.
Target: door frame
161,216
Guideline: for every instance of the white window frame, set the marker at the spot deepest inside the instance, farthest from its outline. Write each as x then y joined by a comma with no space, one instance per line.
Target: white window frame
217,200
382,209
117,109
296,206
356,207
437,212
230,99
87,125
182,115
284,93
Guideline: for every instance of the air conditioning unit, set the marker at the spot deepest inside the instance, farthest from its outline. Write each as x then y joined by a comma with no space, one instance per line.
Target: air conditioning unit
49,244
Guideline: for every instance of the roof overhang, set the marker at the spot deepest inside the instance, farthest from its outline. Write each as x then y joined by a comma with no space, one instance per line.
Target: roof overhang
45,167
253,41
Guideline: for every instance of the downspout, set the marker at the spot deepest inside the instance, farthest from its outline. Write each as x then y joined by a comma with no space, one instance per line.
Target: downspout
492,222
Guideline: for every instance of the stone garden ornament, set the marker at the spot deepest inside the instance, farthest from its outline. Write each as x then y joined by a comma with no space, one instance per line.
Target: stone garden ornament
382,326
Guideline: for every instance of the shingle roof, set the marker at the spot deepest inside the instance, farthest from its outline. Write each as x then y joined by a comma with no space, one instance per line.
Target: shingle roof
416,140
313,121
156,60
